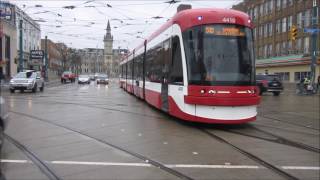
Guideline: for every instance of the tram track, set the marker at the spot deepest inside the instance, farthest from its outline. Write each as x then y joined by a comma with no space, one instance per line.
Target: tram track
277,139
43,167
287,130
291,123
253,157
94,106
134,154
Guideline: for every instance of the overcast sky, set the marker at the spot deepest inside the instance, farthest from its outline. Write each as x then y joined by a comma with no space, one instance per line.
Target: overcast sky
82,24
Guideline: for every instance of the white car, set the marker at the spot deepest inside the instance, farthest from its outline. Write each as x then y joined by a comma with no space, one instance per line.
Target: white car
102,79
27,80
84,79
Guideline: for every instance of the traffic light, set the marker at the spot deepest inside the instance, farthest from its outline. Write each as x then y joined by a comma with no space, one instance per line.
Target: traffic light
293,33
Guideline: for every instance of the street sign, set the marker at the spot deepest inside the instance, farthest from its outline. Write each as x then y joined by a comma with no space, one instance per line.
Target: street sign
37,54
309,30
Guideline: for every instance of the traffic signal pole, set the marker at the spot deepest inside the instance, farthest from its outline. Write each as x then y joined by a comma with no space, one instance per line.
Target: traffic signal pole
314,42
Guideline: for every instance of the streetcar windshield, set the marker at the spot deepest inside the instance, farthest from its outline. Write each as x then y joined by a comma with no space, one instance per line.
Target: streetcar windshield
219,55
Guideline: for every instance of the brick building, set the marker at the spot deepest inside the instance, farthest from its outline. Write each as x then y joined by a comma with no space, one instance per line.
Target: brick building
54,57
275,51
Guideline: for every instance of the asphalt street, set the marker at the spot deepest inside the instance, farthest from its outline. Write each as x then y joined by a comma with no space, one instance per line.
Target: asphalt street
95,131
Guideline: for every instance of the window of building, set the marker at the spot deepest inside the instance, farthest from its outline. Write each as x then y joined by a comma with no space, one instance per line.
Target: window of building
270,6
260,51
265,7
278,26
290,50
265,30
307,18
256,12
270,50
300,20
7,46
306,48
253,14
299,45
277,49
284,76
270,29
284,48
261,31
301,75
284,24
261,9
265,51
290,3
284,4
289,22
278,5
254,33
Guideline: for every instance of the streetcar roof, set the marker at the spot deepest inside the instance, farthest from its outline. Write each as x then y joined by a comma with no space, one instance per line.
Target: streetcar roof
190,17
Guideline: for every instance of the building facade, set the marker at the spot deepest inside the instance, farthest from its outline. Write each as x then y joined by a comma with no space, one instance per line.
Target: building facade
92,61
275,52
8,42
31,39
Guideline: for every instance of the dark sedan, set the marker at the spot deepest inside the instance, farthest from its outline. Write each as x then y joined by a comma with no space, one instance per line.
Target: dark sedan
269,83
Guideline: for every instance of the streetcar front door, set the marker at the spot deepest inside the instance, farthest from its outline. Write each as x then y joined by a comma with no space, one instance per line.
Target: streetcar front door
165,75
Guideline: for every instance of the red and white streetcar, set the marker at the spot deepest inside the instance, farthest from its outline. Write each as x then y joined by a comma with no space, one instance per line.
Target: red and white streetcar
199,66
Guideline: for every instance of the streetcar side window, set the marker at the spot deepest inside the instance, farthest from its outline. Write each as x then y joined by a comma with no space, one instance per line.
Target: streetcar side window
138,67
129,72
176,73
126,70
154,64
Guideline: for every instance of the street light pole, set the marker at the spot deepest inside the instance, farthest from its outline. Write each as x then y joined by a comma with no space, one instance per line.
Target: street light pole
20,46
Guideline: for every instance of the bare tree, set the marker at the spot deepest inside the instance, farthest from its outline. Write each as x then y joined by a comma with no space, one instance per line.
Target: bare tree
64,52
75,61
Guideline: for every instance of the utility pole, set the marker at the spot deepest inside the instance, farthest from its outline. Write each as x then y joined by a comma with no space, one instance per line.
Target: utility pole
46,58
20,46
314,42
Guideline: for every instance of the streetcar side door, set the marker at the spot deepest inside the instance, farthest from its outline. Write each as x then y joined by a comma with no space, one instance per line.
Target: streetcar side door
166,56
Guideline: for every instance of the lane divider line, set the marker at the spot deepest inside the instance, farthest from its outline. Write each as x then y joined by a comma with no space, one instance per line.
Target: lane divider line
200,166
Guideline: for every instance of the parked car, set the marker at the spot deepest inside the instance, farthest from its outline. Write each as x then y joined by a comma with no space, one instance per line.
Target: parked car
102,79
269,83
27,80
84,79
68,76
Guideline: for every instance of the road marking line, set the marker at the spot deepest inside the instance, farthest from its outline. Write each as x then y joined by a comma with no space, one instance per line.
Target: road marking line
213,166
202,166
100,163
300,167
14,161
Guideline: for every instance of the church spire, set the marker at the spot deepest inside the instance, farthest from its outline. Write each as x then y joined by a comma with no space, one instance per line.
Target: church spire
108,26
108,34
